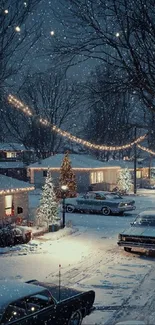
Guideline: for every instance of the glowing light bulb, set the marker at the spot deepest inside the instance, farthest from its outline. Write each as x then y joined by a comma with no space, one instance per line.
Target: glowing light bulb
17,29
117,34
52,32
6,11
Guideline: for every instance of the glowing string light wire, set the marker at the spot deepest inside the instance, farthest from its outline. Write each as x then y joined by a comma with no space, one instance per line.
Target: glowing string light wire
26,110
146,149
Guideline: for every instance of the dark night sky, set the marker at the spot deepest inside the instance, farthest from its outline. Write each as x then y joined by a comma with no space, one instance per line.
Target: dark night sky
37,59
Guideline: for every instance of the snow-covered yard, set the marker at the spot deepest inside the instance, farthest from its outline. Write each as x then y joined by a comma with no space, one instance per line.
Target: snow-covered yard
90,259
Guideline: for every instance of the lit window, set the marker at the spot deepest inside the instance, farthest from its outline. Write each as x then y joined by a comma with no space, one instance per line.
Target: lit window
138,174
96,177
9,207
11,154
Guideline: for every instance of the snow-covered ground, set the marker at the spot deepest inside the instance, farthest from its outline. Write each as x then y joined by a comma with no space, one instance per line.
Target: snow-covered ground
90,259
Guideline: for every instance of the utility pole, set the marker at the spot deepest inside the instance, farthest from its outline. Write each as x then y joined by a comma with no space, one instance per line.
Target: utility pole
135,163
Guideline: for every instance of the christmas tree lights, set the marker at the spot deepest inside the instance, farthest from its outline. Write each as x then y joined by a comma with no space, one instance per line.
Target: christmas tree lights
48,209
67,177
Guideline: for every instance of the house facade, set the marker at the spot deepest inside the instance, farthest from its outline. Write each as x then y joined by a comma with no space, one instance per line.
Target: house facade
14,205
88,170
13,159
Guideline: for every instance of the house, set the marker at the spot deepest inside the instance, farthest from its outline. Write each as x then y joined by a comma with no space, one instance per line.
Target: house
13,159
13,199
88,171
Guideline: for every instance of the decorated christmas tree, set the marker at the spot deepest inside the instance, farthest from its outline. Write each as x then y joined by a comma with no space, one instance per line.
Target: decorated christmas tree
124,181
48,209
67,176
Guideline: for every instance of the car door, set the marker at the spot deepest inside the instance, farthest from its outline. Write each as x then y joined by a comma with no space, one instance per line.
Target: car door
42,309
95,201
16,314
82,202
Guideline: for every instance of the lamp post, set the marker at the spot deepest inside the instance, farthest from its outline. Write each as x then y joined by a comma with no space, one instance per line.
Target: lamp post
64,189
135,163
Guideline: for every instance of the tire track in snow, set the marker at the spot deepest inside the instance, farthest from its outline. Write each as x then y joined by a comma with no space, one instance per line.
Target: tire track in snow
84,269
128,306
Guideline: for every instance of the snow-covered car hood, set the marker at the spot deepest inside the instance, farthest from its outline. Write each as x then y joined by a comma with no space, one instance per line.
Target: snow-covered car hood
139,231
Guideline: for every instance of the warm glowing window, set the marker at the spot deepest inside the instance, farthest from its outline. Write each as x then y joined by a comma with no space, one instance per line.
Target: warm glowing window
96,177
11,154
138,174
9,208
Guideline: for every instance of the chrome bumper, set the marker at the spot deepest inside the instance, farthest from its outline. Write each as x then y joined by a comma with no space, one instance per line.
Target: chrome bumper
123,209
132,244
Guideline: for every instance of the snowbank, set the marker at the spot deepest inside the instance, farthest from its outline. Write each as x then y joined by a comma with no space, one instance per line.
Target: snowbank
51,236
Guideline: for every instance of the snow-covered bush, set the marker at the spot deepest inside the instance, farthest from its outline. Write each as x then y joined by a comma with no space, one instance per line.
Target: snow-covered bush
124,181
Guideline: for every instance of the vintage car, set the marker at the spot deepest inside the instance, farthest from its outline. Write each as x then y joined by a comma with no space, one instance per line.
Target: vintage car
100,201
140,234
35,303
13,235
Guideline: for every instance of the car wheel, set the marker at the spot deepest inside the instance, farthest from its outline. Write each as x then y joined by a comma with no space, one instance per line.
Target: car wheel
70,208
127,249
106,211
76,318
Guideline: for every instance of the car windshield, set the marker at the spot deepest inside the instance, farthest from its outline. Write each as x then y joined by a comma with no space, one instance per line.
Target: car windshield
112,196
147,220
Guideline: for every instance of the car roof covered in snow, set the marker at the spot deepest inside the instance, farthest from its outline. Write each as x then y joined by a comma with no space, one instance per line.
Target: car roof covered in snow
12,290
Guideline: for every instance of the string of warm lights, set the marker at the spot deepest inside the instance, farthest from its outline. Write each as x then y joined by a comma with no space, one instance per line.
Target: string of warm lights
146,149
16,190
26,110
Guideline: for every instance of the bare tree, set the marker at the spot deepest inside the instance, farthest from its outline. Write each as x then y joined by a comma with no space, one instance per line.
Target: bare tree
50,96
111,111
119,31
18,33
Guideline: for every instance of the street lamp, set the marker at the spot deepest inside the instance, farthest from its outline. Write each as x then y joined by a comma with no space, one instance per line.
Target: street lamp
64,189
135,163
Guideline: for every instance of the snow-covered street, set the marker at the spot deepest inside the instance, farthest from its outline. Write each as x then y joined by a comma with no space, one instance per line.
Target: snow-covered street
91,259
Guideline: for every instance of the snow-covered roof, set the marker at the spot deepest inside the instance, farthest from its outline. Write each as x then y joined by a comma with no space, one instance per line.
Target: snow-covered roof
12,146
77,161
12,290
83,161
11,164
9,183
